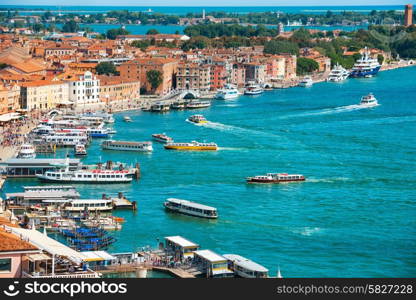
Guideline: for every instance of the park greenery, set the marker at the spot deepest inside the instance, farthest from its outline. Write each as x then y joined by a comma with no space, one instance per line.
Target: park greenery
106,68
154,77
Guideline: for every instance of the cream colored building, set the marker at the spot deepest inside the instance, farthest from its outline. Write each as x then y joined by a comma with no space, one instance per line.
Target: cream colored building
43,94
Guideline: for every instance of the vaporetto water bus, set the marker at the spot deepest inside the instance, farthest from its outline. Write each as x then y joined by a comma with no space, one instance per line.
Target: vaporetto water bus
86,174
246,268
66,138
127,146
194,145
190,208
276,178
81,205
197,104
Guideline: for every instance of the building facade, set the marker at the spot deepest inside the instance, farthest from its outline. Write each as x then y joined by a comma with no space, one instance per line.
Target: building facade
192,76
43,94
114,89
84,89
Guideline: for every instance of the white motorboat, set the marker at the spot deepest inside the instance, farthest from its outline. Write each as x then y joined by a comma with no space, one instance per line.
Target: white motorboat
228,92
27,151
368,101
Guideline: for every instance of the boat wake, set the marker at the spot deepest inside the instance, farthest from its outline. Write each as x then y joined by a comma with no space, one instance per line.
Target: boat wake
307,231
231,149
328,111
236,130
327,180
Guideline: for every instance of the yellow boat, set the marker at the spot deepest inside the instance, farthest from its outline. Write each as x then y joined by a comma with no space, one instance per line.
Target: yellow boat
193,146
197,119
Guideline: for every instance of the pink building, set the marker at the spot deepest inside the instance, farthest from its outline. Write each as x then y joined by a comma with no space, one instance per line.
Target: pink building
13,255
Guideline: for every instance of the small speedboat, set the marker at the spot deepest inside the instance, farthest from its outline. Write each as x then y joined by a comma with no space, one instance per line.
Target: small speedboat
368,101
162,138
197,119
127,119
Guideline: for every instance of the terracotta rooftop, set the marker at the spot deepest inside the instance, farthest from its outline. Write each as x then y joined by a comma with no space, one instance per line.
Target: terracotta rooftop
9,241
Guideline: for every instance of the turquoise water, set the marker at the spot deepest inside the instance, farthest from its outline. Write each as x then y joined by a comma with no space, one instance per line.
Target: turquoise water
355,215
198,9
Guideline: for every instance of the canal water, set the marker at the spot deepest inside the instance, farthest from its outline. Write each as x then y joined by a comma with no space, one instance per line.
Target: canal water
353,217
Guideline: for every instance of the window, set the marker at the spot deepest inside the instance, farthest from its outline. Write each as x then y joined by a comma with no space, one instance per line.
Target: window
5,265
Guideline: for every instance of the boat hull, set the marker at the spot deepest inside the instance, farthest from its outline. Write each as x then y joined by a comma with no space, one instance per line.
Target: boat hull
75,180
187,213
192,148
360,74
254,180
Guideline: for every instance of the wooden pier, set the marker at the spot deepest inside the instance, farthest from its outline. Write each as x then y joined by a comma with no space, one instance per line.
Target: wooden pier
126,268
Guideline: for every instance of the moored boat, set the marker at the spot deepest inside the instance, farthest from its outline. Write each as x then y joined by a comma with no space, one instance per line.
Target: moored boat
127,146
162,138
127,119
178,105
192,146
195,104
338,73
253,89
160,107
80,150
306,82
365,66
276,178
190,208
197,119
227,93
245,268
27,151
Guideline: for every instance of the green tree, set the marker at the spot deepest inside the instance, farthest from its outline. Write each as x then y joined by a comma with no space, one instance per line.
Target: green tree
380,59
106,68
155,78
70,26
152,31
306,65
278,46
113,33
141,44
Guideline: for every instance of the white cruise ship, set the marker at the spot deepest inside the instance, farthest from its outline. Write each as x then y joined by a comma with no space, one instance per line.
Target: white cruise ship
127,146
227,93
365,66
338,73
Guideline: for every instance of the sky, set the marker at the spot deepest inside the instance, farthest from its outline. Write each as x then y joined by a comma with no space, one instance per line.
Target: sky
151,3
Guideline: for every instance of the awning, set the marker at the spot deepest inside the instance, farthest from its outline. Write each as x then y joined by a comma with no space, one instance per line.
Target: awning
48,244
97,256
37,257
65,103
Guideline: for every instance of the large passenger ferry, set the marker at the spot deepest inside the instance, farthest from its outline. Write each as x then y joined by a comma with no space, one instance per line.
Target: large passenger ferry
190,208
127,146
61,138
365,66
194,145
275,178
87,175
